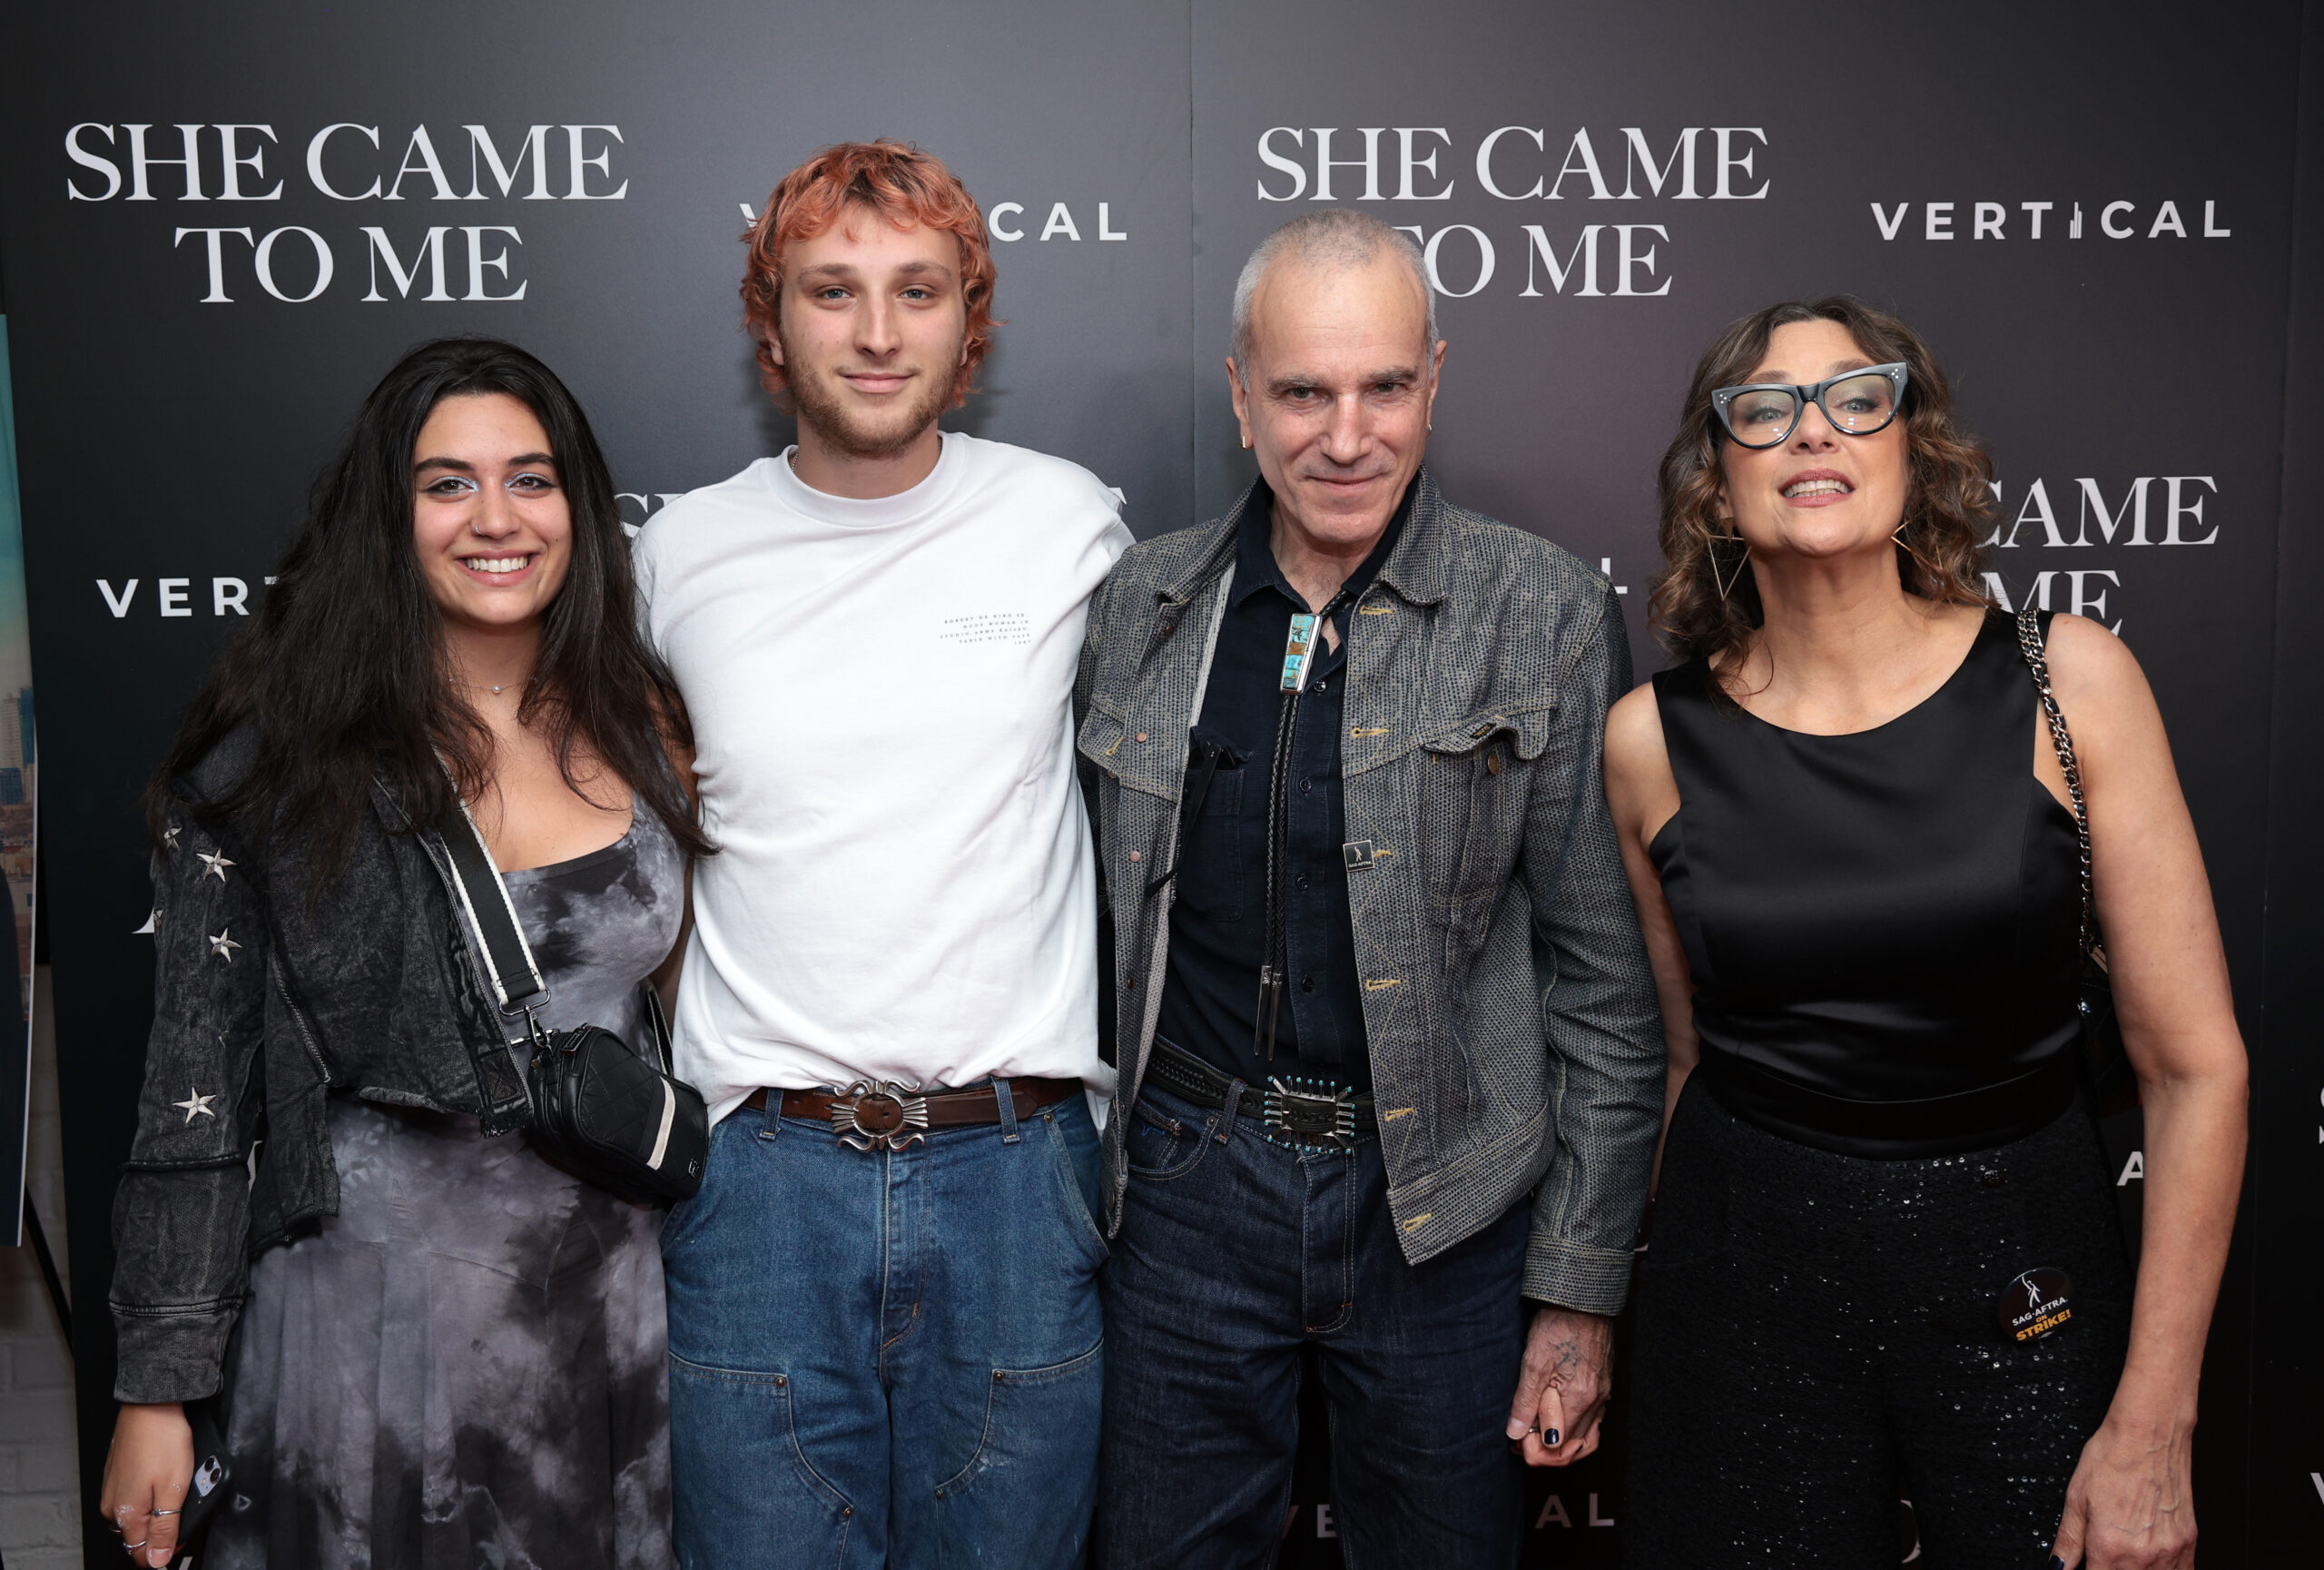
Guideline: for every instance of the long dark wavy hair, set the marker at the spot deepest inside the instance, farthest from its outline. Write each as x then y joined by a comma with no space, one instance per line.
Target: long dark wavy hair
1948,497
345,674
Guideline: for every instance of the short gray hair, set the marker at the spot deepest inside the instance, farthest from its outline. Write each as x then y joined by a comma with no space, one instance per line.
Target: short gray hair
1331,237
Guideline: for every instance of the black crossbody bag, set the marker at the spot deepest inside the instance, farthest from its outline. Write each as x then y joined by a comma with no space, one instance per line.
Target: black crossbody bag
2106,1063
599,1110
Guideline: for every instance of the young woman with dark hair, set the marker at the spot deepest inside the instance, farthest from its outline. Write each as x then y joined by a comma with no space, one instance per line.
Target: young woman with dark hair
1884,1260
434,1346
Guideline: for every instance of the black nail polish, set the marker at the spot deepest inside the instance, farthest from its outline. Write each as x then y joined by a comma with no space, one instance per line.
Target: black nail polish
2056,1563
1551,1438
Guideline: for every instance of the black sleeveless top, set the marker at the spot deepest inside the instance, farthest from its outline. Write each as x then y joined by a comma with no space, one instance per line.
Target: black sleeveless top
1883,926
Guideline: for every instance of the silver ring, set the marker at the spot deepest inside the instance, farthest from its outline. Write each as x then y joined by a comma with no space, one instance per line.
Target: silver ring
162,1512
134,1548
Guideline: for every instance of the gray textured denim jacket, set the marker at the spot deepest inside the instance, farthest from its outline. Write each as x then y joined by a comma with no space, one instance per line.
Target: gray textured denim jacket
1516,1043
262,1007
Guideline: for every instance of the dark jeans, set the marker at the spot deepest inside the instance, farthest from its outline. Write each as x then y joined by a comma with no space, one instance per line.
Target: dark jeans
1233,1253
887,1357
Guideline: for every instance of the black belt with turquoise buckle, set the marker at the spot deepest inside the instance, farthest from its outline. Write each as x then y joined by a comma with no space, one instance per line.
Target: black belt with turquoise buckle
1305,1113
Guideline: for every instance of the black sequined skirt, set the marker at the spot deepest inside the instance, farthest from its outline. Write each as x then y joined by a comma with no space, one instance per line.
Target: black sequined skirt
1820,1335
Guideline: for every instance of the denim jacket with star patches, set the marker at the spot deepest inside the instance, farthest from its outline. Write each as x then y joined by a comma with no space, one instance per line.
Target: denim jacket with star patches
1515,1040
264,1005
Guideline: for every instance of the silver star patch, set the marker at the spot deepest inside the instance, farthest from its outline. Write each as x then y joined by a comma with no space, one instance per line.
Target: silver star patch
170,838
223,947
213,862
196,1104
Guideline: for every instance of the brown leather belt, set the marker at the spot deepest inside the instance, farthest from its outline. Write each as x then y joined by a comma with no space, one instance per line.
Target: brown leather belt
882,1115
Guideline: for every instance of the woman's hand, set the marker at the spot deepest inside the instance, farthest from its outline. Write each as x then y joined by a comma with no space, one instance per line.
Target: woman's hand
2131,1502
147,1473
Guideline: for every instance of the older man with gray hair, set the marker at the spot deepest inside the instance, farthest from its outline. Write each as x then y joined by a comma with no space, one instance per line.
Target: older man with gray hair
1391,1066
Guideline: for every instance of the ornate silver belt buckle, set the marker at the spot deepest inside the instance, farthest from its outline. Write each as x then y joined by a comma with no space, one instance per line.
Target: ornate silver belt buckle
1335,1106
879,1115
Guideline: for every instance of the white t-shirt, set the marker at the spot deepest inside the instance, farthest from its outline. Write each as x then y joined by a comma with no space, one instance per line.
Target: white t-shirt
881,696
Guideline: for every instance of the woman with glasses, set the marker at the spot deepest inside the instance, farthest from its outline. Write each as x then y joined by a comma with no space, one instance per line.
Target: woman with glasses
1885,1261
435,1347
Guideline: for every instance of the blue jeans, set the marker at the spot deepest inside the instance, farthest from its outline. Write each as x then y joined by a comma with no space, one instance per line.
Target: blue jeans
1233,1253
887,1357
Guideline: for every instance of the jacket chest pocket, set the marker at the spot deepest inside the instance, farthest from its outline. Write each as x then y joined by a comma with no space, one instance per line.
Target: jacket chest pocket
1475,780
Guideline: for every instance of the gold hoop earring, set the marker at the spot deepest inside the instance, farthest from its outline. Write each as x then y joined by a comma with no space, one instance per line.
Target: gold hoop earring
1725,574
1246,444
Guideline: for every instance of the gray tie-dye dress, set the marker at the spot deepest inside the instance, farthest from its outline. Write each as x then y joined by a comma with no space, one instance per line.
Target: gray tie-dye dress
467,1366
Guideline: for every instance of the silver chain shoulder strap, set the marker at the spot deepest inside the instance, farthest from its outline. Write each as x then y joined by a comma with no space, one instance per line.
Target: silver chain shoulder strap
2029,641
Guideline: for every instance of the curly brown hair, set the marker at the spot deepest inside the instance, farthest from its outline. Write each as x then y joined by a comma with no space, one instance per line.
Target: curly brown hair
900,183
1948,499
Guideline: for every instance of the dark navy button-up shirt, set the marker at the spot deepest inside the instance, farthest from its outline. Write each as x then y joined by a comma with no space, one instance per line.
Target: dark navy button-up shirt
1218,922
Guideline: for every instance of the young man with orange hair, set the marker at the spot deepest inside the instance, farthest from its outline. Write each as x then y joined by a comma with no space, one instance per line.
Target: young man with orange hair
884,1328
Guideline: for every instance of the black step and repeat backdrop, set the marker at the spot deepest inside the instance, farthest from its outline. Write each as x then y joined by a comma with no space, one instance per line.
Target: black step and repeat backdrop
220,226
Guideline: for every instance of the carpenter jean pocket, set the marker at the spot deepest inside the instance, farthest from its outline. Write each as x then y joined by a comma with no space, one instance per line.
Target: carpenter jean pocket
744,1472
1040,1433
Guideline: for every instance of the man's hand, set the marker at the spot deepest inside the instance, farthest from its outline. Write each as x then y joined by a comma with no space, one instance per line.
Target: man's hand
1562,1387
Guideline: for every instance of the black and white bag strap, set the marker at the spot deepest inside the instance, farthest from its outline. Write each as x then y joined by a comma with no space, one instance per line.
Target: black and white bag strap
516,984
